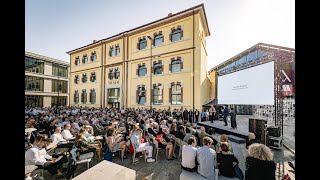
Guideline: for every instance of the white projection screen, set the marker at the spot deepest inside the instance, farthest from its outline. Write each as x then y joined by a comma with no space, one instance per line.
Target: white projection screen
252,86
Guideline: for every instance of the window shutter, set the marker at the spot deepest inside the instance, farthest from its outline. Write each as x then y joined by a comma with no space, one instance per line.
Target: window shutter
151,96
153,41
75,62
75,98
137,71
181,94
181,64
90,98
146,43
162,69
75,80
94,97
146,70
170,95
137,96
181,33
110,53
91,57
138,45
162,38
161,96
152,70
109,77
170,37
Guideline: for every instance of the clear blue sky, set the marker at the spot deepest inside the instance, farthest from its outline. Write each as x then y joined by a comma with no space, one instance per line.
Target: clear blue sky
54,27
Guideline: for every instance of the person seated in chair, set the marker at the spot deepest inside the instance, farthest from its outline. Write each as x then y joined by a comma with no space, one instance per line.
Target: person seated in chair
225,161
66,134
115,143
165,143
252,139
189,155
136,140
58,139
37,155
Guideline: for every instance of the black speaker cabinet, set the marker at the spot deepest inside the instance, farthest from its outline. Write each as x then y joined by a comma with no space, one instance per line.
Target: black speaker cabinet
274,131
257,127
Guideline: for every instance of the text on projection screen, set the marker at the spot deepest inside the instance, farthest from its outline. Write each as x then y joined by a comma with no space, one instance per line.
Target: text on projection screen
252,86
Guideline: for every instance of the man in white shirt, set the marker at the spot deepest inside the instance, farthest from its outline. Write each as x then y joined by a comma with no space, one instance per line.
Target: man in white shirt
189,155
66,134
206,158
58,139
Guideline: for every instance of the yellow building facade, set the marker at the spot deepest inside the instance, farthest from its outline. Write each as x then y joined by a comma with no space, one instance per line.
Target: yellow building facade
158,65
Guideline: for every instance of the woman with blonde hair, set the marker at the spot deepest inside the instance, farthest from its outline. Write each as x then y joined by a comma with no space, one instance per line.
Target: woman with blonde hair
224,139
260,164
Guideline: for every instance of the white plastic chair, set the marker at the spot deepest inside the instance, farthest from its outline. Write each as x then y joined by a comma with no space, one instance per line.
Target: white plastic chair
84,158
134,154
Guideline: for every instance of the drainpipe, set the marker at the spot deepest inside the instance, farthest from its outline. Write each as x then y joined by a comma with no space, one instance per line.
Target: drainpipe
193,61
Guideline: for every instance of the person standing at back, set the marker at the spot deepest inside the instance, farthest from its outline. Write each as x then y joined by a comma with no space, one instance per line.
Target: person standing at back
225,115
206,158
196,113
233,119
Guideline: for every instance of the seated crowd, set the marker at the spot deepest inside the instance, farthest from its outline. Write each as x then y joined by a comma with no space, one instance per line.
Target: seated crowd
105,130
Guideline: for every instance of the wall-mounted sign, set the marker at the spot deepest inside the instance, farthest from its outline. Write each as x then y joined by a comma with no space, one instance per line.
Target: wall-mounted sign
113,82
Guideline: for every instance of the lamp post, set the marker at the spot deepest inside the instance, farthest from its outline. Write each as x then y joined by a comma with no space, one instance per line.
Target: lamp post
149,37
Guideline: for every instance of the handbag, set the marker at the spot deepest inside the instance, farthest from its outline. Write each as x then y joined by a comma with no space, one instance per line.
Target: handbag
239,173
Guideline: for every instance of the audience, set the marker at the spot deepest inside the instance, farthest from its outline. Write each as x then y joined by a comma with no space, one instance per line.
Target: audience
224,140
189,155
225,161
136,140
260,164
252,139
206,158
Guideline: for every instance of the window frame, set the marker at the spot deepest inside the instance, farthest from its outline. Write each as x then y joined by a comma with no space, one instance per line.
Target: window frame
174,32
141,68
140,43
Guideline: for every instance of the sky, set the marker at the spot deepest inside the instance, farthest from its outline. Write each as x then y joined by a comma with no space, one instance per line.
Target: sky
54,27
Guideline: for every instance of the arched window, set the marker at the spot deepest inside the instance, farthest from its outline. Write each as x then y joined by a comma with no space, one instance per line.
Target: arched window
76,79
92,96
176,35
84,78
76,97
116,73
175,93
77,61
158,40
157,68
117,50
110,74
93,56
141,95
93,77
142,70
157,93
112,51
176,65
142,44
84,96
84,59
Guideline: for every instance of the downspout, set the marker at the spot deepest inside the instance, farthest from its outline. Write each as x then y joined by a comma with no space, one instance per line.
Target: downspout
193,61
102,79
127,104
69,75
122,84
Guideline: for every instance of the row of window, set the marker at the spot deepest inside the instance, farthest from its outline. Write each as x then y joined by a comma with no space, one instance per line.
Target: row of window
37,66
61,86
114,73
59,70
33,83
93,57
37,101
114,50
92,98
175,94
158,38
176,65
84,78
249,58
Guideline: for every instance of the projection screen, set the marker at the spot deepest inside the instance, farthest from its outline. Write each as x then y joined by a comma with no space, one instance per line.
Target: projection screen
252,86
